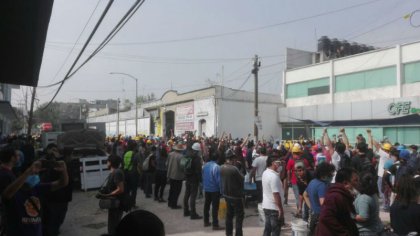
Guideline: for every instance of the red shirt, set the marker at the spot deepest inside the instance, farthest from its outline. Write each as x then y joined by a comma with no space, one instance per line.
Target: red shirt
291,167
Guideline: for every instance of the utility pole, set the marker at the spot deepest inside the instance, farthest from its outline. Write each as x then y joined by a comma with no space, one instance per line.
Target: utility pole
118,117
135,100
31,112
257,65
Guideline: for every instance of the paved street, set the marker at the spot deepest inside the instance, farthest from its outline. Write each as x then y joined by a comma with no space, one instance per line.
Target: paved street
85,218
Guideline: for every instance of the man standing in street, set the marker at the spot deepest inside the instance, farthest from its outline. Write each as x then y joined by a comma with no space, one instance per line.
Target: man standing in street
211,185
272,198
232,188
258,166
193,178
175,175
131,174
314,194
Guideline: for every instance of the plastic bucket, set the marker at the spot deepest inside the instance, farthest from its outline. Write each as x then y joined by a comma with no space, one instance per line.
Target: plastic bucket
261,216
222,209
299,227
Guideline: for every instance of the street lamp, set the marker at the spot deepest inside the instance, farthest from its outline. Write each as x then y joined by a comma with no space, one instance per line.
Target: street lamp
135,100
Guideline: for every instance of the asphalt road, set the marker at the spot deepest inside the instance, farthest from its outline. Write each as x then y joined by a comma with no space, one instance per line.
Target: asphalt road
85,218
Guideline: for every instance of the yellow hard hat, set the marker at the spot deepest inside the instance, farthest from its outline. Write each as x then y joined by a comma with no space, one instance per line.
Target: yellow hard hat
296,149
287,145
149,141
386,146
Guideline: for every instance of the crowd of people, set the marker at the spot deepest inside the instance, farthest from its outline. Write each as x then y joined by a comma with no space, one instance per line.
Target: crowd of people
337,187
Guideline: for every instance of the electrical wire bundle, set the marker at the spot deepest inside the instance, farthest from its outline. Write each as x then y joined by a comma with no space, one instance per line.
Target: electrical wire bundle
133,9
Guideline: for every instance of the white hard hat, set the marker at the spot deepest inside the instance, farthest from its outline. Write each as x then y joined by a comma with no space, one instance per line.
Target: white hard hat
196,147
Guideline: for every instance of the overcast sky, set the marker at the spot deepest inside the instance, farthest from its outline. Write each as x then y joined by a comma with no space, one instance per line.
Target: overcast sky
185,65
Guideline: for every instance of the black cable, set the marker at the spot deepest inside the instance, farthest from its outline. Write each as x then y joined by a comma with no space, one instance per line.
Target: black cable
113,32
247,30
77,40
377,27
240,87
80,53
411,19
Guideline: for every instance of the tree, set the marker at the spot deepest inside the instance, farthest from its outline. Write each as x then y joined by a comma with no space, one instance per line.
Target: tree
127,104
146,98
18,124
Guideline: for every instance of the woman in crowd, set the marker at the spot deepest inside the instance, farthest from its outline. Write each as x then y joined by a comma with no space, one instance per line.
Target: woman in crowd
114,188
367,207
405,210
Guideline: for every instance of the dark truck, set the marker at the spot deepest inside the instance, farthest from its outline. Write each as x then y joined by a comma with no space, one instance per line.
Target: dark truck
81,144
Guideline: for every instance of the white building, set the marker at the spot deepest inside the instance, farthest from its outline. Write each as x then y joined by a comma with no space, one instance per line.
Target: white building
379,89
209,111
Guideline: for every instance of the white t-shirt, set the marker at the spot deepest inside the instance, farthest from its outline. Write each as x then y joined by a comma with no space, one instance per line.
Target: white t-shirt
260,163
383,157
271,184
335,159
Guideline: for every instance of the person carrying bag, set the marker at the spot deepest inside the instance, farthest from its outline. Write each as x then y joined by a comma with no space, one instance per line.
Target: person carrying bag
107,202
112,192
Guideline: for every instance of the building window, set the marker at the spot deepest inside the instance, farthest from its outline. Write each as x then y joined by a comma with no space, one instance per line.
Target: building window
366,79
403,135
308,88
412,72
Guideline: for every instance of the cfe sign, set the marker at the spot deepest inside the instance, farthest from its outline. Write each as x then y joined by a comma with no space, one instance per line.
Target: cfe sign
399,108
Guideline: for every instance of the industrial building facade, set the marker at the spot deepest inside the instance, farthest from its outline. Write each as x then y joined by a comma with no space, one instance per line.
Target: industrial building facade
209,111
378,89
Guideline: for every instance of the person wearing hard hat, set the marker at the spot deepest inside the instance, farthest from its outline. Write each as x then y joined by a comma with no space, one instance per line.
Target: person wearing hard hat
296,160
384,155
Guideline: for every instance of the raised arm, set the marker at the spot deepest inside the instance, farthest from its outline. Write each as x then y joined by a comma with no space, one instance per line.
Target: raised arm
328,141
12,189
245,141
372,143
345,139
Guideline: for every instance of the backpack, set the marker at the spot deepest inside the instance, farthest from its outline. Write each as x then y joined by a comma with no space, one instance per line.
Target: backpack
146,162
186,164
414,162
310,158
345,161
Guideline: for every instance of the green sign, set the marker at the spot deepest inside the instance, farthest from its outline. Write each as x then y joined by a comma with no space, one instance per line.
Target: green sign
402,108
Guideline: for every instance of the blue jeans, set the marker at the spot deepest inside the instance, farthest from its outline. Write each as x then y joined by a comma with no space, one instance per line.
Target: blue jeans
296,193
381,194
272,223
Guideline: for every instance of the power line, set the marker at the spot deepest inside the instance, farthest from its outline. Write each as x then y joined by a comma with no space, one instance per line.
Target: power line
411,19
66,77
174,60
113,32
377,27
77,40
240,87
243,31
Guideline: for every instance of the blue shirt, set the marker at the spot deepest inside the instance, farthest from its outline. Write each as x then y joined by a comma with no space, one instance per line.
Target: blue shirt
316,190
211,177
